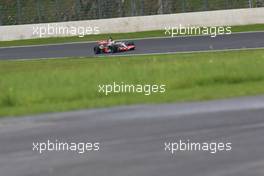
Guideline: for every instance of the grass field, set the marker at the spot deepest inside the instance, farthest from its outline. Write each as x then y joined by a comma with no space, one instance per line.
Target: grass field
160,33
31,87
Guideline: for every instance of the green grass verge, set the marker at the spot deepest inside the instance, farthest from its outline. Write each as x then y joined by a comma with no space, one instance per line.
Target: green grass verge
37,86
160,33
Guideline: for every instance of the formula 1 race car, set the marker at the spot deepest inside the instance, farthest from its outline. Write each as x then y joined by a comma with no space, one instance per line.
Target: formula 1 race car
109,46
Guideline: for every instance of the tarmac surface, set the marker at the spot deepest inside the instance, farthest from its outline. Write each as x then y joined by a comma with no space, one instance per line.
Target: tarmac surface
143,46
132,140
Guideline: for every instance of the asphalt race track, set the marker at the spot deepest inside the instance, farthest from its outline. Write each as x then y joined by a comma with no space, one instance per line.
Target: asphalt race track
144,46
132,140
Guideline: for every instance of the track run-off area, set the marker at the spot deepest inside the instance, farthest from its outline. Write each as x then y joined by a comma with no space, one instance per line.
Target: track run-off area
132,140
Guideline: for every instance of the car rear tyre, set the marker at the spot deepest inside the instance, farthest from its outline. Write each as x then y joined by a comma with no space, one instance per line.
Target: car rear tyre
97,50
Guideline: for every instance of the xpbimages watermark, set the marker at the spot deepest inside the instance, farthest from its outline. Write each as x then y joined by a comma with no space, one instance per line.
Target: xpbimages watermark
59,30
78,147
212,31
186,145
146,89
